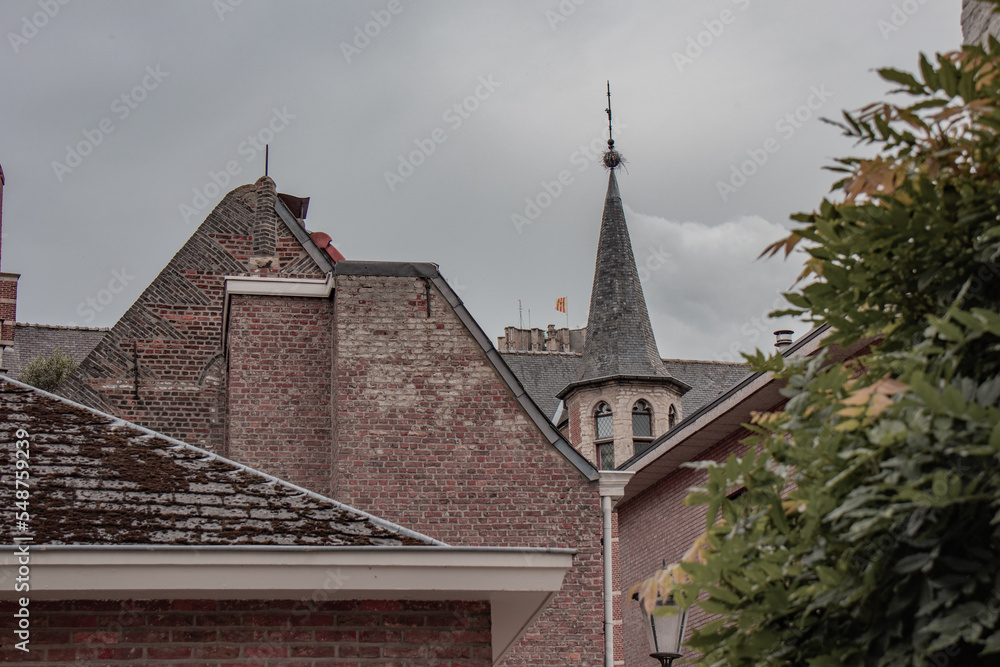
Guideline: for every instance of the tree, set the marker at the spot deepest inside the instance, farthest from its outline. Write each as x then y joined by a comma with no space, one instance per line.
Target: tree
48,372
869,532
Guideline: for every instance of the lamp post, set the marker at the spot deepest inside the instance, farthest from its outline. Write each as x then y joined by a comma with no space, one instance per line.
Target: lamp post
665,633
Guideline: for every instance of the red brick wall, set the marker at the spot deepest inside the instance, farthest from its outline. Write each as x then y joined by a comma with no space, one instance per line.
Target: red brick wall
8,305
656,525
428,436
279,387
262,633
425,434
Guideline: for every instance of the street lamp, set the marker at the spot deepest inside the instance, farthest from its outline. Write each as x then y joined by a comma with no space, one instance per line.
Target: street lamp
665,633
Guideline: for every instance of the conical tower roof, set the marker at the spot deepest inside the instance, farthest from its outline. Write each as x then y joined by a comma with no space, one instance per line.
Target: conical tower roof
619,336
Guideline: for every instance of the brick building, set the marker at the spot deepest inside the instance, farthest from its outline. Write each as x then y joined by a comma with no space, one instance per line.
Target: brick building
367,382
370,383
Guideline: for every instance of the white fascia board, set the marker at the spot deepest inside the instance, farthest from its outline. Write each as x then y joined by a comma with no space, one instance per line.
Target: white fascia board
519,583
149,572
263,286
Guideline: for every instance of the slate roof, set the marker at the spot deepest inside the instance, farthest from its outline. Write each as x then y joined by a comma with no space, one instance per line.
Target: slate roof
708,379
619,335
94,479
544,374
34,340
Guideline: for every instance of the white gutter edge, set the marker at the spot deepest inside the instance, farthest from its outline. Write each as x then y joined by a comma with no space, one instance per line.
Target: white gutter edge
266,286
265,573
612,482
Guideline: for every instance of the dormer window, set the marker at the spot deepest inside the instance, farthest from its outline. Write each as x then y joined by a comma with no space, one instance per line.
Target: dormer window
604,428
642,426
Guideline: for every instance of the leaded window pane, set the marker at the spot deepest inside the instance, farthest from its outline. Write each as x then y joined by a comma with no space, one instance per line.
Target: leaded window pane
604,422
642,421
639,446
607,456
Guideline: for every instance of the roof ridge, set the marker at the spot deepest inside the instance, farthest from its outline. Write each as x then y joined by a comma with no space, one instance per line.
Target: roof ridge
61,326
706,361
548,353
238,467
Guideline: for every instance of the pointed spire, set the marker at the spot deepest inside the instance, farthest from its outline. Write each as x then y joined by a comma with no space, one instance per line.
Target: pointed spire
619,335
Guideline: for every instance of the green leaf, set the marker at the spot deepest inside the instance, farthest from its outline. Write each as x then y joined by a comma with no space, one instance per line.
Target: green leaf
903,78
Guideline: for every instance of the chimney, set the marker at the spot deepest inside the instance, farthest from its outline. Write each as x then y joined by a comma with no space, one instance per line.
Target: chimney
1,211
265,228
783,339
8,295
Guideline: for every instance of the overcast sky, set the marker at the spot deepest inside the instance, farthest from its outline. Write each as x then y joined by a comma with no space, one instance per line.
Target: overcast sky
453,132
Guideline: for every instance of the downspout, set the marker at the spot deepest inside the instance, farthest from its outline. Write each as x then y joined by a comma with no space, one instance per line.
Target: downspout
612,487
609,605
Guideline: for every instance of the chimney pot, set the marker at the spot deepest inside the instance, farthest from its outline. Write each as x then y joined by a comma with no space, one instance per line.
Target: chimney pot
783,339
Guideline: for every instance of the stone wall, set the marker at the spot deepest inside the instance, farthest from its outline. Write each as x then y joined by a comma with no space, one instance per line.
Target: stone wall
620,396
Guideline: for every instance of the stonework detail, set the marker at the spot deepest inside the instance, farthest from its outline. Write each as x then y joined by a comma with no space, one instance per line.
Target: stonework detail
621,396
979,21
535,340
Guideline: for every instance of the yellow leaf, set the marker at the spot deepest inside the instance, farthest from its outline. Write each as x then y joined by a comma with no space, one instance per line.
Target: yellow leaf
793,506
849,425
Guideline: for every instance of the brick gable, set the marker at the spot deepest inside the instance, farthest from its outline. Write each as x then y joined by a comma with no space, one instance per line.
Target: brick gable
421,430
160,365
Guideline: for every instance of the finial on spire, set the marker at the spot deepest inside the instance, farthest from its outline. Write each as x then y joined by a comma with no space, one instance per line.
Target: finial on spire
267,156
612,158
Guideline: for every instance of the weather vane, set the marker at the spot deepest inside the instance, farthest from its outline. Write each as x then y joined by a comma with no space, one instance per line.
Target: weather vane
612,158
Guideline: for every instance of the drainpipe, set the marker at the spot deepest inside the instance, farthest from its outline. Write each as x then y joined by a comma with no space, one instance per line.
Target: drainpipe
612,487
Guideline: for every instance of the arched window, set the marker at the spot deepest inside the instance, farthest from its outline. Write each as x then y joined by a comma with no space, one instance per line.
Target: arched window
671,417
642,426
603,424
642,420
604,428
